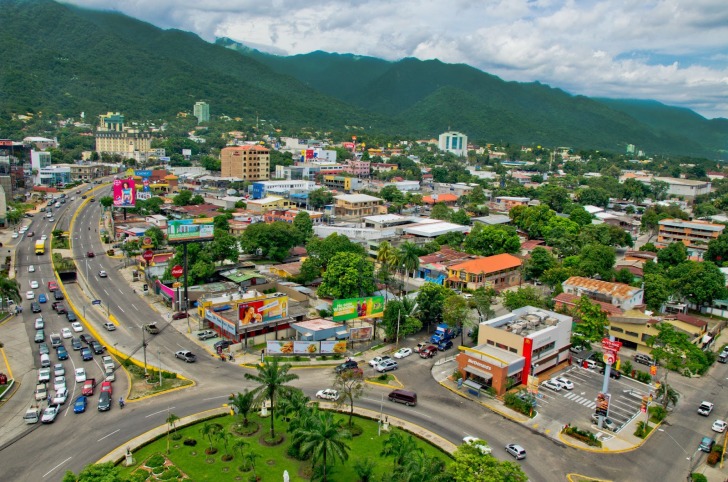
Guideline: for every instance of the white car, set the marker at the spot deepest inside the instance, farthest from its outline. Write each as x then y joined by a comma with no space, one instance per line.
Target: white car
76,326
590,364
31,269
44,375
80,375
479,444
39,323
58,370
60,397
102,274
15,235
59,382
66,333
43,238
552,384
719,426
516,450
705,408
34,285
565,383
30,295
378,359
328,394
50,413
403,352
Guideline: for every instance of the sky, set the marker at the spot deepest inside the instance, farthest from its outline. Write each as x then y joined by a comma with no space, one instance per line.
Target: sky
672,51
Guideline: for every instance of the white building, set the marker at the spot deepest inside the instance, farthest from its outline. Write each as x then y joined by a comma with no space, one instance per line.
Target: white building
38,161
282,188
454,142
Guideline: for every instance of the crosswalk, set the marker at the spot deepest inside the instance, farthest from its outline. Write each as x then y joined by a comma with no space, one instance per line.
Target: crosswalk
574,397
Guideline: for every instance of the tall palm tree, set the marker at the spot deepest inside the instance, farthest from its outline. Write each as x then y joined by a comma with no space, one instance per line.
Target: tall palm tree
408,258
294,403
171,419
240,445
420,467
272,379
9,290
243,403
667,395
224,437
325,439
399,447
387,254
209,430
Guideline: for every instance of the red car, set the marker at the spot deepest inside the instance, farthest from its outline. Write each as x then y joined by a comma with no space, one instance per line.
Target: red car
90,254
428,352
179,315
106,387
52,286
88,387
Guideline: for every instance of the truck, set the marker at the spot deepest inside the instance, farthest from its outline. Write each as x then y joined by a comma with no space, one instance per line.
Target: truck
443,332
40,247
32,415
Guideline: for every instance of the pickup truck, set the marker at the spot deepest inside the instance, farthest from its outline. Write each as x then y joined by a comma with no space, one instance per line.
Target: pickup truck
32,415
56,340
107,361
151,328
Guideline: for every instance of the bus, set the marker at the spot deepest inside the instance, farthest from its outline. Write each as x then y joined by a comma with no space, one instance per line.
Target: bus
39,247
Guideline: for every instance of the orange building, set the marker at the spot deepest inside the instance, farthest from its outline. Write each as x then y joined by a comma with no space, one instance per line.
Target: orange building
499,271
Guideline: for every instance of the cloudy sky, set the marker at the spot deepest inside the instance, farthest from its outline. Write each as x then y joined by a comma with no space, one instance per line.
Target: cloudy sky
673,51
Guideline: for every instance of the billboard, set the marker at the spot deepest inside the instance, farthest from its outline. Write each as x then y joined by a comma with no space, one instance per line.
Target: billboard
124,192
353,308
287,347
602,407
338,346
361,334
277,347
260,311
189,230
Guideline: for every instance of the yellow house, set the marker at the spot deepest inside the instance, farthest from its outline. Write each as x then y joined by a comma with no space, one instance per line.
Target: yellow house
339,183
268,203
634,328
358,205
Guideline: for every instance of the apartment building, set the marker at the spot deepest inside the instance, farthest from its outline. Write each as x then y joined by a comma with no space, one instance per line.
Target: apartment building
358,205
455,142
201,110
693,234
499,271
247,163
342,183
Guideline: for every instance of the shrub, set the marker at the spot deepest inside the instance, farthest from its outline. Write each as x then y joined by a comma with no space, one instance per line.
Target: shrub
696,477
172,473
657,413
713,458
583,435
511,400
626,367
190,442
155,461
383,377
644,377
456,375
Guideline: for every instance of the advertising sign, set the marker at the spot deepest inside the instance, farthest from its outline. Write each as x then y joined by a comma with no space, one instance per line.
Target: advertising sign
305,347
278,347
124,192
610,345
354,308
143,173
263,310
189,230
333,346
361,334
602,404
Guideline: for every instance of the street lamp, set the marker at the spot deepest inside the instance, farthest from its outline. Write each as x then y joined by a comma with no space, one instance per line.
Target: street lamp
689,459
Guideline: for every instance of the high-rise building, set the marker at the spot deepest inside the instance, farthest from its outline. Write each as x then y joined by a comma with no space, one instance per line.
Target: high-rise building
201,110
454,142
248,163
113,138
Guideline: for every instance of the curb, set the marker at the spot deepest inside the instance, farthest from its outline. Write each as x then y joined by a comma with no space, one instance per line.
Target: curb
489,407
386,385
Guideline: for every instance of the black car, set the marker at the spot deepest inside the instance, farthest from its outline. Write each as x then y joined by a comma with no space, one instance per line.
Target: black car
347,365
97,347
57,295
87,338
76,343
104,401
612,374
35,307
86,354
444,345
71,316
222,344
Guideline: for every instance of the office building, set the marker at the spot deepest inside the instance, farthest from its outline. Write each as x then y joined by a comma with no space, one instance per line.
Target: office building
201,110
247,163
695,235
454,142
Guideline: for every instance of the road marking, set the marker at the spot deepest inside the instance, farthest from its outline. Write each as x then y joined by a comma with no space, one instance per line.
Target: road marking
215,398
105,436
161,411
54,468
122,309
420,413
107,293
134,306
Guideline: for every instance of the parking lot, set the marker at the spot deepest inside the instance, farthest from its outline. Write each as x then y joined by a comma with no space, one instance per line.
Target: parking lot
576,406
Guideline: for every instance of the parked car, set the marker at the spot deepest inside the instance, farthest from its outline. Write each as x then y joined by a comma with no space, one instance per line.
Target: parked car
552,384
516,450
206,335
185,355
39,323
79,406
39,336
613,373
387,365
328,394
706,444
378,359
403,353
62,353
565,383
58,370
97,347
347,365
607,423
71,316
444,345
719,426
222,344
50,413
428,352
180,315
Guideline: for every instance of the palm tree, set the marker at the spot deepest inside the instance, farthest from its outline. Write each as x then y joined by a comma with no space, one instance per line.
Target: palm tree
224,436
399,447
408,258
272,379
243,403
250,458
171,419
240,445
325,439
667,395
387,254
294,403
420,467
364,469
209,430
9,290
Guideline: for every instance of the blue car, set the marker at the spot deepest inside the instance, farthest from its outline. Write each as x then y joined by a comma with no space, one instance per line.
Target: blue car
86,354
42,298
62,353
80,405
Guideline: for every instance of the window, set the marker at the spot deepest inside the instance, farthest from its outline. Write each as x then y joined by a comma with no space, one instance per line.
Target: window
616,329
632,333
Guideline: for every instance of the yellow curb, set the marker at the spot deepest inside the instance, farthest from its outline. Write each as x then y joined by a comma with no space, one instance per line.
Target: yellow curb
583,478
113,319
164,392
7,364
489,407
396,380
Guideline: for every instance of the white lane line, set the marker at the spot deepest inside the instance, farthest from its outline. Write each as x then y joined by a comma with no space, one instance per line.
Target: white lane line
105,436
54,468
215,398
156,413
121,291
107,293
122,309
134,306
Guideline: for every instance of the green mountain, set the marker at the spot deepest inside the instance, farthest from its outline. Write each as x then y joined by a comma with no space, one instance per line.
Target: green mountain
63,59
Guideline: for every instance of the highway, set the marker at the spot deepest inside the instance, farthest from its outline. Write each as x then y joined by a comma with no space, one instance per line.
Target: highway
76,440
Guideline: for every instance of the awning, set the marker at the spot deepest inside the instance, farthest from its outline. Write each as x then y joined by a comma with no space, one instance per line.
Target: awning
707,338
481,373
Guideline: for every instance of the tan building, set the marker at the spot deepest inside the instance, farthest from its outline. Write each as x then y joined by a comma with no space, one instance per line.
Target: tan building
499,271
124,143
358,205
618,294
248,163
693,234
634,328
269,203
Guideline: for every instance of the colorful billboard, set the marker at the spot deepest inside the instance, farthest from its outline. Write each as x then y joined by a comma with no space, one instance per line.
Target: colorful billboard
338,346
305,347
124,192
278,347
189,230
361,334
353,308
261,311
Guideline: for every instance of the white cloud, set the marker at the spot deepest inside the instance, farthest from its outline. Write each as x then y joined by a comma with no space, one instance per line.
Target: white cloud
672,51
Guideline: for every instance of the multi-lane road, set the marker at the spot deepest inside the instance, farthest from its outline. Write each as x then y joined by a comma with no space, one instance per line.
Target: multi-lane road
45,452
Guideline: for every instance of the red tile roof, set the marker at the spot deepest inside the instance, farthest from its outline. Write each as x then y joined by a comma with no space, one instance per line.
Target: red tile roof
691,320
571,300
531,243
490,264
441,198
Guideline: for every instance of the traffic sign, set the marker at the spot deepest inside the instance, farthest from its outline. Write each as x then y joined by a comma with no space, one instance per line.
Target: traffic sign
96,302
610,345
177,271
148,255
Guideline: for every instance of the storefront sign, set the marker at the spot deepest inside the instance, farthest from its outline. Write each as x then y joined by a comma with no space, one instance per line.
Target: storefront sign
478,363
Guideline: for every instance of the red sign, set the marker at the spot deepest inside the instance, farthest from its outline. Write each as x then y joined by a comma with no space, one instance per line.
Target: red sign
177,271
148,255
609,345
147,241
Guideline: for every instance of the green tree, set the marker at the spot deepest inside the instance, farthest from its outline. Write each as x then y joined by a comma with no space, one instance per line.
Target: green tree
224,247
472,466
106,472
243,404
400,319
408,258
197,199
592,323
9,290
555,197
392,194
272,379
673,254
667,395
460,217
634,190
106,201
456,313
350,385
364,469
171,420
482,301
532,219
525,296
157,236
698,282
659,189
553,277
561,233
320,251
625,276
210,430
596,259
399,447
210,163
303,224
657,290
441,211
605,234
325,441
430,300
580,216
539,261
593,196
348,275
674,349
183,198
222,222
274,240
318,198
717,251
487,240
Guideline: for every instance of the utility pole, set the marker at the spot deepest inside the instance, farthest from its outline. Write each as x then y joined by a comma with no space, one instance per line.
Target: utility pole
144,350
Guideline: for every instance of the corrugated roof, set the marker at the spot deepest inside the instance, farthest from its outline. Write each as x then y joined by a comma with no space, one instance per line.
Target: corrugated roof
571,300
618,290
489,264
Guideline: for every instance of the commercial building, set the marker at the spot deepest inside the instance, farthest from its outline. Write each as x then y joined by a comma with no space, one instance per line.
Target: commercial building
39,160
358,168
358,205
621,295
513,347
201,110
261,189
499,271
113,138
247,163
307,171
454,142
53,176
695,235
268,203
634,328
342,183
